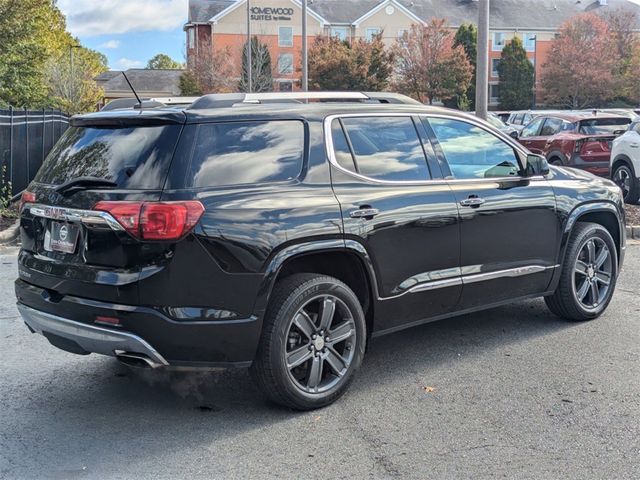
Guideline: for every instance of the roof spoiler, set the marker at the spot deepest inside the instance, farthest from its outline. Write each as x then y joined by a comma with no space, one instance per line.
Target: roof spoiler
226,100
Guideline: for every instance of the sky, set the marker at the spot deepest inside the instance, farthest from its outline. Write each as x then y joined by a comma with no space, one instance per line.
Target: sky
128,32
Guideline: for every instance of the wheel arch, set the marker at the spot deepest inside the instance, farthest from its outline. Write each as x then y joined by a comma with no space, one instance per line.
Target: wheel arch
553,154
620,160
348,261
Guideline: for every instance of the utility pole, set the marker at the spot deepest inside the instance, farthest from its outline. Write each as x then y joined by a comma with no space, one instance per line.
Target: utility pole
249,52
482,64
305,51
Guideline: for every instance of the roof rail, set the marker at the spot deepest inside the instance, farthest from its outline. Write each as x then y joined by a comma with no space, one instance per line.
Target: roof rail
225,100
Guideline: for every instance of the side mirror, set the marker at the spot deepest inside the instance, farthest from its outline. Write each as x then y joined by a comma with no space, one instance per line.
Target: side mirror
514,134
536,165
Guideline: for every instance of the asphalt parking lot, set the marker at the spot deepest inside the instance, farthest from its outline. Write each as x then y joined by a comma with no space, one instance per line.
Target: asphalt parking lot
508,393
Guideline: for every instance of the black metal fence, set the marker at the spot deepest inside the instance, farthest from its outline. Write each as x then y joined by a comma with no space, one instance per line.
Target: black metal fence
26,137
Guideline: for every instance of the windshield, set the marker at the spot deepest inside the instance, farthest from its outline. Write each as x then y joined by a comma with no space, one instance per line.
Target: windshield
603,126
134,157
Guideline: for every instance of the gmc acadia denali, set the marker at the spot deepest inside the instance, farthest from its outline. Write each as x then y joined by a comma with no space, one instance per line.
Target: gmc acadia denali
260,231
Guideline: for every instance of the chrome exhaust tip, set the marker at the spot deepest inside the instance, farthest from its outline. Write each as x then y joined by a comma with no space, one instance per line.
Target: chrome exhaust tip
138,360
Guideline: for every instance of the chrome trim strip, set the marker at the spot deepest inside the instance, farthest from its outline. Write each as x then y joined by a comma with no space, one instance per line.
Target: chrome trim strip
473,278
89,337
90,217
334,162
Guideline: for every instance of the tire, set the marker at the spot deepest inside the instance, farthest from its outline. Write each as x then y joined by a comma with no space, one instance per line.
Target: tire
625,178
556,161
566,302
294,316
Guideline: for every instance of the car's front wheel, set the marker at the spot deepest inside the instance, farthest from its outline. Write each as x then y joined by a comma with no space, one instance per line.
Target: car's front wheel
313,341
624,177
589,274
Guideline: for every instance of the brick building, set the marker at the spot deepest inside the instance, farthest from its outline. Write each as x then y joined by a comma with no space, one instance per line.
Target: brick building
216,24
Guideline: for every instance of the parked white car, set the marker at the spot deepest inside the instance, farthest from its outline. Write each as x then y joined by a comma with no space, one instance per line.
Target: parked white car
625,163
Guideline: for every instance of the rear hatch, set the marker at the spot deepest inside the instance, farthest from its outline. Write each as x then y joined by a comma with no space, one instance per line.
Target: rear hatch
68,248
599,134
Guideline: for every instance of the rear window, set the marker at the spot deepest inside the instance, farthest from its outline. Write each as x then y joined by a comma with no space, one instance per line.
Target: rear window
603,126
247,152
134,157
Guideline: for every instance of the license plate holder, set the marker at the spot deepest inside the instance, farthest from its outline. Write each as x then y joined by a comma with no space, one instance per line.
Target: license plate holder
61,237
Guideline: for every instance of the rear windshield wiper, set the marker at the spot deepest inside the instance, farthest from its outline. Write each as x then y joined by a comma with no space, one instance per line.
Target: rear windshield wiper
84,183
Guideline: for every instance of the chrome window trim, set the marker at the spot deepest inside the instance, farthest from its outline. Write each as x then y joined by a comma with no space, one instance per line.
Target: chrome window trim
473,278
330,151
88,217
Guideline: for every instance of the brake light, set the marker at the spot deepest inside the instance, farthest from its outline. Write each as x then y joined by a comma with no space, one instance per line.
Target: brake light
155,220
578,146
26,197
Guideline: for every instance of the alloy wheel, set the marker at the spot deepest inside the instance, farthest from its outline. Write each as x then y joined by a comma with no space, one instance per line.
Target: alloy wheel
320,344
622,178
593,272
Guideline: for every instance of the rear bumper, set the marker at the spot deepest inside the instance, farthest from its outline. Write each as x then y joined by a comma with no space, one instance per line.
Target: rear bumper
89,338
69,323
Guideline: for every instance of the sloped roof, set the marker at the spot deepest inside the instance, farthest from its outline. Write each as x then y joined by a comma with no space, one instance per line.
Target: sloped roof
522,14
146,80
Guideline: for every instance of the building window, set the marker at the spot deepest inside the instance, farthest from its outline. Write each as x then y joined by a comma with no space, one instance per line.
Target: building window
285,63
371,32
341,32
498,41
191,33
494,93
494,66
285,36
529,41
285,86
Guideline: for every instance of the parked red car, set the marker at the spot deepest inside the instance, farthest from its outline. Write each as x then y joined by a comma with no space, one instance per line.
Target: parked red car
580,140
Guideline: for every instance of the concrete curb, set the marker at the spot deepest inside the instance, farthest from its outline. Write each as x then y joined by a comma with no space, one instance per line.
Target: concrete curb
11,234
633,232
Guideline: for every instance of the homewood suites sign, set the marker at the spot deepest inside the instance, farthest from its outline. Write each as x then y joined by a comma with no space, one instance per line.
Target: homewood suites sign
271,13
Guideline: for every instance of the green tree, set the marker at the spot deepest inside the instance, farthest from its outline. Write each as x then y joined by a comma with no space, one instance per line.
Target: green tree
31,32
163,62
467,37
261,74
516,77
189,86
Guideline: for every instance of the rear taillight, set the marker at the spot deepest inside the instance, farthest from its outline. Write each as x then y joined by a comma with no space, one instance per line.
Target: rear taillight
155,220
578,146
26,197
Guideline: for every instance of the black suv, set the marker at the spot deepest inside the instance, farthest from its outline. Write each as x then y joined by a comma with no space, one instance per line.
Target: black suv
262,232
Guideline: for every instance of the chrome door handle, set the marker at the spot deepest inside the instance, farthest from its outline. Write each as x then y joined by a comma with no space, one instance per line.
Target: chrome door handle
634,145
364,213
472,202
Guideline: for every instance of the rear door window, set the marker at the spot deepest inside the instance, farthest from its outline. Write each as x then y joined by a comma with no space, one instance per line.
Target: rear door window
134,157
532,129
383,148
239,153
551,127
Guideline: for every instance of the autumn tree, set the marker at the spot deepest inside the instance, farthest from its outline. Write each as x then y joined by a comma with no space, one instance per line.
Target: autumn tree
261,72
163,62
622,24
210,71
359,65
517,77
429,65
581,70
467,37
72,87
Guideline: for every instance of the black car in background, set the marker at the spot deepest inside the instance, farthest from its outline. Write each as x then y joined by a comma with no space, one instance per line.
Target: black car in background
258,231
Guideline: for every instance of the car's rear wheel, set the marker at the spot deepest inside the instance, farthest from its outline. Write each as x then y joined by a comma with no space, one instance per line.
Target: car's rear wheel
313,341
624,177
589,274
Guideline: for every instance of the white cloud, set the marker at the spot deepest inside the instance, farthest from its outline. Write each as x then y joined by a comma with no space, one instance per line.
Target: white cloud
90,18
110,45
126,63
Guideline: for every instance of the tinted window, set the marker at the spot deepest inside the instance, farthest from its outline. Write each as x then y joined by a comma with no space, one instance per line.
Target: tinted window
136,157
603,126
518,118
341,147
250,152
551,127
473,152
387,148
532,129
